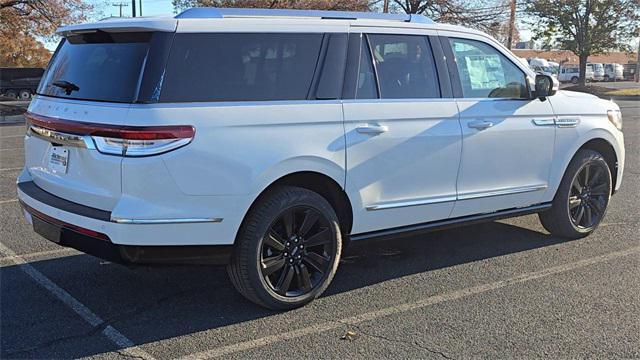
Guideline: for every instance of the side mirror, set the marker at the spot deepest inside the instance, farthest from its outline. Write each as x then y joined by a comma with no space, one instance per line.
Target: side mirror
545,86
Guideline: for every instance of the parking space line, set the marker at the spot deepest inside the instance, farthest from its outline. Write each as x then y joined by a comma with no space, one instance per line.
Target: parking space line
39,254
8,201
397,309
116,337
11,136
7,149
11,169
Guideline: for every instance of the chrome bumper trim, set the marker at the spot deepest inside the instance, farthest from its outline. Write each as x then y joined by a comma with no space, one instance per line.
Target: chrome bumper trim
165,221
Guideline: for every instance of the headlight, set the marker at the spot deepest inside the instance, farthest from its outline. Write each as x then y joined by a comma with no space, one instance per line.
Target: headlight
615,116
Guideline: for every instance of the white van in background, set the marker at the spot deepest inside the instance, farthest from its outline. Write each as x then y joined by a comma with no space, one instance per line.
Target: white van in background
613,72
572,74
598,71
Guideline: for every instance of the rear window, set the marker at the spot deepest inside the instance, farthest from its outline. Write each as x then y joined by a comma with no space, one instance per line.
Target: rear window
97,66
240,67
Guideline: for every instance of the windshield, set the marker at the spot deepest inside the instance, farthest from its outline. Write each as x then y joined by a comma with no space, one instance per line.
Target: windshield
97,66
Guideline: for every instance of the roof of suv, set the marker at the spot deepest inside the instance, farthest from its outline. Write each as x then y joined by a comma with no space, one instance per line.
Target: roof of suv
170,23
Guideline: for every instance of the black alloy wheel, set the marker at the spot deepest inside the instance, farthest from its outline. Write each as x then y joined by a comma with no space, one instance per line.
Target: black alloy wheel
297,251
588,196
582,198
287,250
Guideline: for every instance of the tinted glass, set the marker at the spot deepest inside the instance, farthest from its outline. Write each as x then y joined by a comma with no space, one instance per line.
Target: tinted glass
366,87
98,66
486,73
240,67
405,66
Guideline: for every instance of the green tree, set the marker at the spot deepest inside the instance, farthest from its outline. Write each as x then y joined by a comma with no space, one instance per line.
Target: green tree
585,27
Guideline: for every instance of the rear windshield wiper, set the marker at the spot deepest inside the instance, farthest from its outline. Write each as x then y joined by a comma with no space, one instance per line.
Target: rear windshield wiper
66,85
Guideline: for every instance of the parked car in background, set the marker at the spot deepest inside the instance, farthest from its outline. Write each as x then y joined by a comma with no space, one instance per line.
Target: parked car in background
269,139
572,74
613,72
19,83
598,71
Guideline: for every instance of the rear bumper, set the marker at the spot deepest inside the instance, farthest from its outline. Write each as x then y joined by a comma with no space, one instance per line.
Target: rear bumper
92,231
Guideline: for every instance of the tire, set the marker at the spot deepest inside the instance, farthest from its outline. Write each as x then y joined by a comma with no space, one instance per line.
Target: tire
574,80
256,269
24,95
578,209
606,78
11,94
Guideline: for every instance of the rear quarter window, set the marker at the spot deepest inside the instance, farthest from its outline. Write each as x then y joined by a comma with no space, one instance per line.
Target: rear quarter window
209,67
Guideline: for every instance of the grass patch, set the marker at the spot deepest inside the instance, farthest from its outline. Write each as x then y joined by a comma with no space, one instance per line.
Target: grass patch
602,91
625,92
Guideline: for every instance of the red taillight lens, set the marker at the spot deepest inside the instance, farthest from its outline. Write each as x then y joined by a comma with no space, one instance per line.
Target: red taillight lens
121,140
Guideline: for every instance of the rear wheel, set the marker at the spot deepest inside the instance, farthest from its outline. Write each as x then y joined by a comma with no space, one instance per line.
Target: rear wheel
11,94
25,94
288,249
582,198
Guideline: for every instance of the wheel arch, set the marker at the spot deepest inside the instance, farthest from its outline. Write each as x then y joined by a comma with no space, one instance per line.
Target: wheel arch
320,183
606,149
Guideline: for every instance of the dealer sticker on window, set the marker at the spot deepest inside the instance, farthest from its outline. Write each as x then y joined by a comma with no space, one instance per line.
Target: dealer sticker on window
59,160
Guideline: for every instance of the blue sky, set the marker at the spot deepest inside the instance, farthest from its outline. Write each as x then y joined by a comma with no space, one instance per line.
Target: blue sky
149,7
105,8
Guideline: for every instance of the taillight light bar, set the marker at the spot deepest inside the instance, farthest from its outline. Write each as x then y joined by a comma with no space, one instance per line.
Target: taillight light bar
121,140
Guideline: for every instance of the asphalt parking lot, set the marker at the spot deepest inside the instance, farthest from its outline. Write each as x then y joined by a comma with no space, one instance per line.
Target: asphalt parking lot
504,289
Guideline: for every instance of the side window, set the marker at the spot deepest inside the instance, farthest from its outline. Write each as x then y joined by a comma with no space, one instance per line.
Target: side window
240,67
366,87
486,73
405,66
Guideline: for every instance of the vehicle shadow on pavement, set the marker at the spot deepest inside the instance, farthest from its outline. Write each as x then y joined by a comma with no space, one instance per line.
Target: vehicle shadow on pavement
150,304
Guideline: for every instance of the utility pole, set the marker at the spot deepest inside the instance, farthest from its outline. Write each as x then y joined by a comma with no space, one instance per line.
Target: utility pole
638,60
385,8
512,23
133,7
120,5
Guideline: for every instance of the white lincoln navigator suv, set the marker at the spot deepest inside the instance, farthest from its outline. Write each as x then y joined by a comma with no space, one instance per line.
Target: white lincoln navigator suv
266,140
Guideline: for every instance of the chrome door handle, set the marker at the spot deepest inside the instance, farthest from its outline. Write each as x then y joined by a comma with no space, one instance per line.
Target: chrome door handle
480,125
372,129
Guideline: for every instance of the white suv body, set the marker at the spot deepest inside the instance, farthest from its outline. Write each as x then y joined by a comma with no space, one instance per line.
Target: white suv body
382,123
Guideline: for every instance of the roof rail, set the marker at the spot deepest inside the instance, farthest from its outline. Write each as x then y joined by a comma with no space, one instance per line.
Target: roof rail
208,13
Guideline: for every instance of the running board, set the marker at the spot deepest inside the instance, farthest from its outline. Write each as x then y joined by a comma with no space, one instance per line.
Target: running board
417,229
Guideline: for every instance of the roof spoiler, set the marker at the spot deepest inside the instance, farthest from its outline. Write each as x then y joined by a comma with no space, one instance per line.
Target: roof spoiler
167,24
208,13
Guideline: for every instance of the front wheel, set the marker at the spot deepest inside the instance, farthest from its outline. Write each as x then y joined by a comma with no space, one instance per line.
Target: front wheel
582,198
287,250
574,80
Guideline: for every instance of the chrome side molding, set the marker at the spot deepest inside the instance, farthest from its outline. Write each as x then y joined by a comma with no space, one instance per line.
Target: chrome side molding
449,198
417,202
499,192
61,138
544,122
119,220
